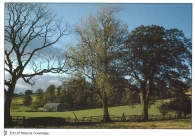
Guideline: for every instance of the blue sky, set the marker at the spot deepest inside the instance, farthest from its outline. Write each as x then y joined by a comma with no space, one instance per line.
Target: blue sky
166,15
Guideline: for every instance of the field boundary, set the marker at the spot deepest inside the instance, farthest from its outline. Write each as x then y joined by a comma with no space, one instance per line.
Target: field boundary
31,121
19,120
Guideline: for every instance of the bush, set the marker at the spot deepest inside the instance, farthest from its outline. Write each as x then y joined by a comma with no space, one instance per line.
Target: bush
181,104
46,121
34,106
164,108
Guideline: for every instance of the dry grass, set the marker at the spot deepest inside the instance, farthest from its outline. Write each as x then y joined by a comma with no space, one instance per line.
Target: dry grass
167,124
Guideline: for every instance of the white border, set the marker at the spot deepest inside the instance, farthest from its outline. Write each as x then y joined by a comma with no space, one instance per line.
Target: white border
89,132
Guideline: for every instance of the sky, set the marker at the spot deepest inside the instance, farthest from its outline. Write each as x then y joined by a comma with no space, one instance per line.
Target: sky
133,14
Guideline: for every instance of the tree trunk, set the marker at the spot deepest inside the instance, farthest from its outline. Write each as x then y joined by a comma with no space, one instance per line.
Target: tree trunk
106,117
144,104
179,114
7,104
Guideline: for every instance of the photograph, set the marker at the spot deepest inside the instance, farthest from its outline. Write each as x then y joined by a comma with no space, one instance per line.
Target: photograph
101,65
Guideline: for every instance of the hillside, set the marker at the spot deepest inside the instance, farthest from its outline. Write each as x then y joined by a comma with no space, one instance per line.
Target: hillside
117,111
19,99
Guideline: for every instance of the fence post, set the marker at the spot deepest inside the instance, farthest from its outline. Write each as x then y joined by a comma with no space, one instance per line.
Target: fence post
123,118
17,120
24,120
75,117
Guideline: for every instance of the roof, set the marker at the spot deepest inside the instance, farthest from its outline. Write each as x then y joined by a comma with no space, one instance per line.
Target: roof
52,104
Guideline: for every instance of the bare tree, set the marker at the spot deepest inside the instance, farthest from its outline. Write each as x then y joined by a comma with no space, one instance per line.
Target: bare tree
30,30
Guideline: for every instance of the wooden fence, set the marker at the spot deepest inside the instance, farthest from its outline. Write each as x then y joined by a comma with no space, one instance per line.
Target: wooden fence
92,118
133,118
21,120
18,120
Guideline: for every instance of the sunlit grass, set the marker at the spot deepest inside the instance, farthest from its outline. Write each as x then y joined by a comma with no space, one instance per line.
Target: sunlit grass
167,124
117,111
19,99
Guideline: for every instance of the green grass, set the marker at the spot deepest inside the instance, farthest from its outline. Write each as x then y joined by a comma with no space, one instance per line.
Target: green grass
19,99
117,111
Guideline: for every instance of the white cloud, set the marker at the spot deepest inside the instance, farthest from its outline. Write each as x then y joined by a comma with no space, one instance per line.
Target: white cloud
40,82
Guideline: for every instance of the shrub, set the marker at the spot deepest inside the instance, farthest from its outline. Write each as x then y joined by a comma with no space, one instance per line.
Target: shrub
164,108
46,121
34,106
181,104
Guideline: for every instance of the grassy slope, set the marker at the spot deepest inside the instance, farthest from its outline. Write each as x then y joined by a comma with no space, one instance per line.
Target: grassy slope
19,99
117,111
167,124
174,124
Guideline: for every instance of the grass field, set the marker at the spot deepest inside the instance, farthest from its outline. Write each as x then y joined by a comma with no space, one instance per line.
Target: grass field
167,124
117,111
19,99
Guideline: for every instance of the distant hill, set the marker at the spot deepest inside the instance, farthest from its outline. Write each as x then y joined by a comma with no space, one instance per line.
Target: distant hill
18,99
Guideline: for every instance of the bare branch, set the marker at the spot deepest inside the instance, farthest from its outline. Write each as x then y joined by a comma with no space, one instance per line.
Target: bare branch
24,23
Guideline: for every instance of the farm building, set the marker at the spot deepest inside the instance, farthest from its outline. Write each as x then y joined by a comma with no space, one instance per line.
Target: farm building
56,107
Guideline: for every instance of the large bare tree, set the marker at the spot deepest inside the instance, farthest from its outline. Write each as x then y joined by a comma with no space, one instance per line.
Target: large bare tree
30,30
